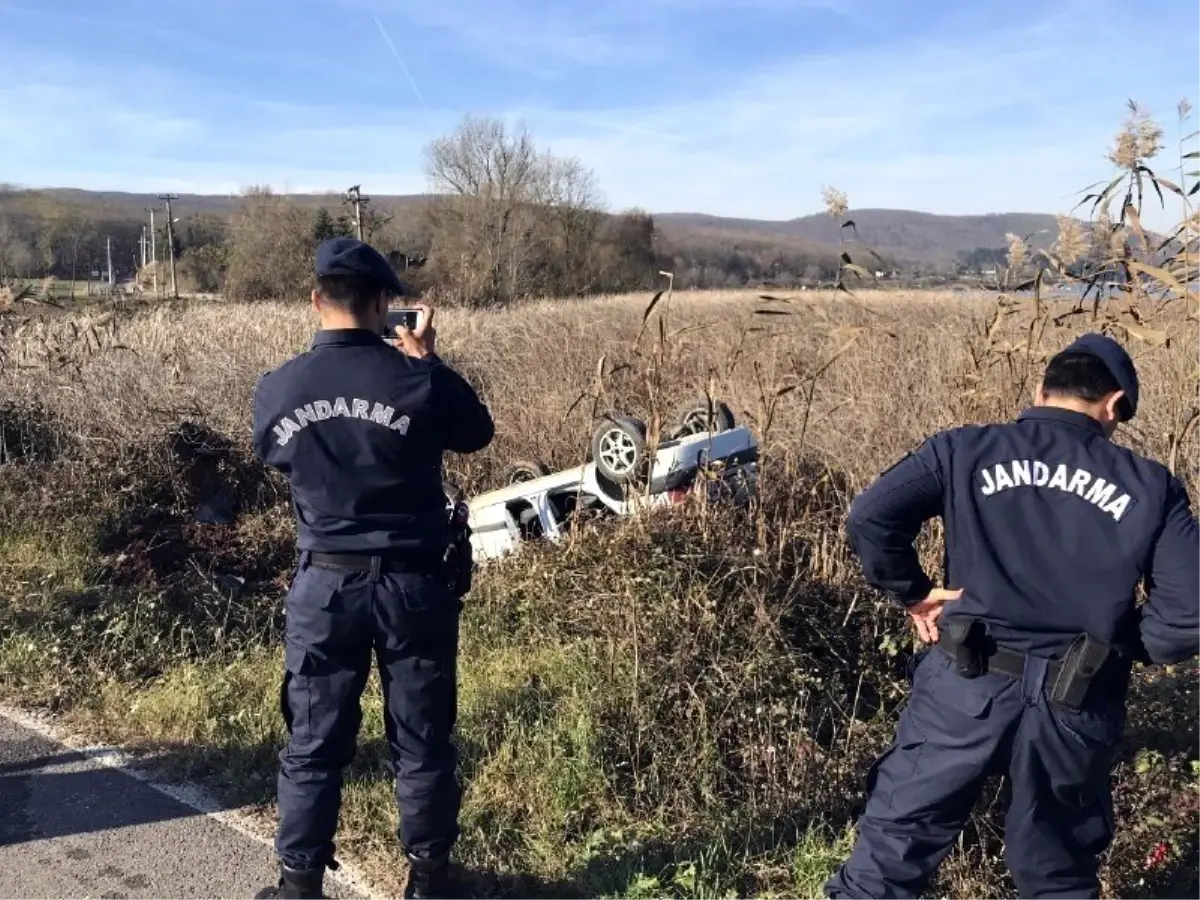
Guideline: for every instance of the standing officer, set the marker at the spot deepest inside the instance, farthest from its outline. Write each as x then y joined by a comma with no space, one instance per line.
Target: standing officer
359,430
1049,529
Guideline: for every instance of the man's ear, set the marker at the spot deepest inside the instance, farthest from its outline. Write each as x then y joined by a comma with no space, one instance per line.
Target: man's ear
316,301
1112,402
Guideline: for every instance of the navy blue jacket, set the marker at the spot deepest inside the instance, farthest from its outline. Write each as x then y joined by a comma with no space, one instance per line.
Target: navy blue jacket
359,430
1049,529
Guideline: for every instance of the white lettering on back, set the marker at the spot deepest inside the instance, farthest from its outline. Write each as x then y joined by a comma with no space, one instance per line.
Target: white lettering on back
1060,478
999,477
321,410
1041,473
989,486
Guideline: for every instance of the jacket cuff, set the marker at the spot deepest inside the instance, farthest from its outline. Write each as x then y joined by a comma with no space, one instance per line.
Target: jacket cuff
916,592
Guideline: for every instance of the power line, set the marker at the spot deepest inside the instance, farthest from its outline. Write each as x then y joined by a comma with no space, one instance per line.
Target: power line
355,196
171,241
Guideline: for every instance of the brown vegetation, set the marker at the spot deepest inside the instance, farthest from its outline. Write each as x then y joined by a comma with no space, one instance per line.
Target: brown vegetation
682,705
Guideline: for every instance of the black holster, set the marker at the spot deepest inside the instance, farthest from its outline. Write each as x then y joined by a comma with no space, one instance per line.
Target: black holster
458,564
968,639
1079,667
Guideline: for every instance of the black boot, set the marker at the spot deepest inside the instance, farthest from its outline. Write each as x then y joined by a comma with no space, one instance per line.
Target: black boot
296,884
428,877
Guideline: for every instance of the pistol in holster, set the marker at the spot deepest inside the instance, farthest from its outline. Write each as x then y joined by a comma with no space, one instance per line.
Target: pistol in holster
968,639
458,563
1077,670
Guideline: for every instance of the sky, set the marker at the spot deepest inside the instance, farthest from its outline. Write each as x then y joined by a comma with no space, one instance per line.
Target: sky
741,108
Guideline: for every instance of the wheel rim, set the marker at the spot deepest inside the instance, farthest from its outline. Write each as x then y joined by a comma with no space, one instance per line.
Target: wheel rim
618,451
696,421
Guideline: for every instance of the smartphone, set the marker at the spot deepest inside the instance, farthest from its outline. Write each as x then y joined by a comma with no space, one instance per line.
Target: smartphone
396,318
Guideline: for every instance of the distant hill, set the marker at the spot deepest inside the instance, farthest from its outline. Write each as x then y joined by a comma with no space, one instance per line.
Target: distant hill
215,204
904,235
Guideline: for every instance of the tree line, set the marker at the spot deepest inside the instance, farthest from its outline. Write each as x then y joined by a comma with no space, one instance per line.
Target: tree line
505,221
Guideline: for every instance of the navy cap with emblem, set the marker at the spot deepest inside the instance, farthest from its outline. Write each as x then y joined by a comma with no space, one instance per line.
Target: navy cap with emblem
1115,359
348,256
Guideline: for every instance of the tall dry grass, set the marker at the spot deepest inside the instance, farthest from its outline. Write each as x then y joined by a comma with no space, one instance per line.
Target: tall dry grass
684,705
573,659
854,384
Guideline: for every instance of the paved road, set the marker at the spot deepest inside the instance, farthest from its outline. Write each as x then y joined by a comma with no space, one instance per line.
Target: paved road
74,827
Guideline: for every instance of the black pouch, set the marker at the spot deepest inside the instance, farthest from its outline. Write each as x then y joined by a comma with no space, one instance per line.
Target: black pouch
1079,668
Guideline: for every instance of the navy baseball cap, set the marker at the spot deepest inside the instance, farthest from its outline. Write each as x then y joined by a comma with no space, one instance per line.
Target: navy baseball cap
1116,360
348,256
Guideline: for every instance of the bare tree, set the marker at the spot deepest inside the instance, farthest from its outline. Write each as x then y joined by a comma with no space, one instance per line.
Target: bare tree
75,227
270,251
485,176
16,255
509,221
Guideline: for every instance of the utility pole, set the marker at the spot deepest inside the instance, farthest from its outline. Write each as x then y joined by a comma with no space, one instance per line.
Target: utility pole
142,243
108,255
153,249
171,241
355,196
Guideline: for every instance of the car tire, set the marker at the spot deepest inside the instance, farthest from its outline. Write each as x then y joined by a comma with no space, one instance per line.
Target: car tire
525,470
619,448
693,418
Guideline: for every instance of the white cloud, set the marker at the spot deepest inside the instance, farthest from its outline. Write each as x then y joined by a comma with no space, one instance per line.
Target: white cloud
998,123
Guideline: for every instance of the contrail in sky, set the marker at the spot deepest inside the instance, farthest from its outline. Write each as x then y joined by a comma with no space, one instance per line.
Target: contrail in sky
416,90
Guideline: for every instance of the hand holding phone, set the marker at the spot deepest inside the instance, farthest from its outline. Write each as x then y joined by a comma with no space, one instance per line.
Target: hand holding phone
412,330
407,317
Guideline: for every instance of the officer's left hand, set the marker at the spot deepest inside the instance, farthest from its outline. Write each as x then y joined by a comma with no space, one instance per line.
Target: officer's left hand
925,613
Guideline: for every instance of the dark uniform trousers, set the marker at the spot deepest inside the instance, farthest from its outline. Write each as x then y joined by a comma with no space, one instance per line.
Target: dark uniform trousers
956,731
336,619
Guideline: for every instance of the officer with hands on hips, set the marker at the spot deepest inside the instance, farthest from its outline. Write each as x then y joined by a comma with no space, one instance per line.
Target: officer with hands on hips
359,426
1049,529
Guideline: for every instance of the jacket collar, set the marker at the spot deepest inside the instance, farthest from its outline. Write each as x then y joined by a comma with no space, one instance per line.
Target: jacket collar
1062,417
353,337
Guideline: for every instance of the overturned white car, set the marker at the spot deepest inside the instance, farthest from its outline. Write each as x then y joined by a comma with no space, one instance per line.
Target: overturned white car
705,450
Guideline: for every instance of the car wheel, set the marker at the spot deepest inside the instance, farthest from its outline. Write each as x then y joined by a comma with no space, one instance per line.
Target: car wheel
619,448
525,470
696,418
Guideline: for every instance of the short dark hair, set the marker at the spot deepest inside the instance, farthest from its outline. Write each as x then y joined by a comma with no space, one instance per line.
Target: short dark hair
1083,376
352,293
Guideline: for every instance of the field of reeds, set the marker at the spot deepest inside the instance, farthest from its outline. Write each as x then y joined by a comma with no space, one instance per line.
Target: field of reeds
684,704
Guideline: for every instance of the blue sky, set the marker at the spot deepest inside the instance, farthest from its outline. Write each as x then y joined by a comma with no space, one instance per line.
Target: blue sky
731,107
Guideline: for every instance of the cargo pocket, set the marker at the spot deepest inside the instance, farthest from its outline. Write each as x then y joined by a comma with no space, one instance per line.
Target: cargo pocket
897,764
295,694
1093,826
971,697
425,594
312,609
1098,731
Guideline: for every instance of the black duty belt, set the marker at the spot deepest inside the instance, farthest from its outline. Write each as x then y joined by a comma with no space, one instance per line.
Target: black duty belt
364,562
998,659
1068,679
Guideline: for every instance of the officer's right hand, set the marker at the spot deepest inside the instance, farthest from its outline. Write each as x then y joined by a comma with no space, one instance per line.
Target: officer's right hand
421,342
925,613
